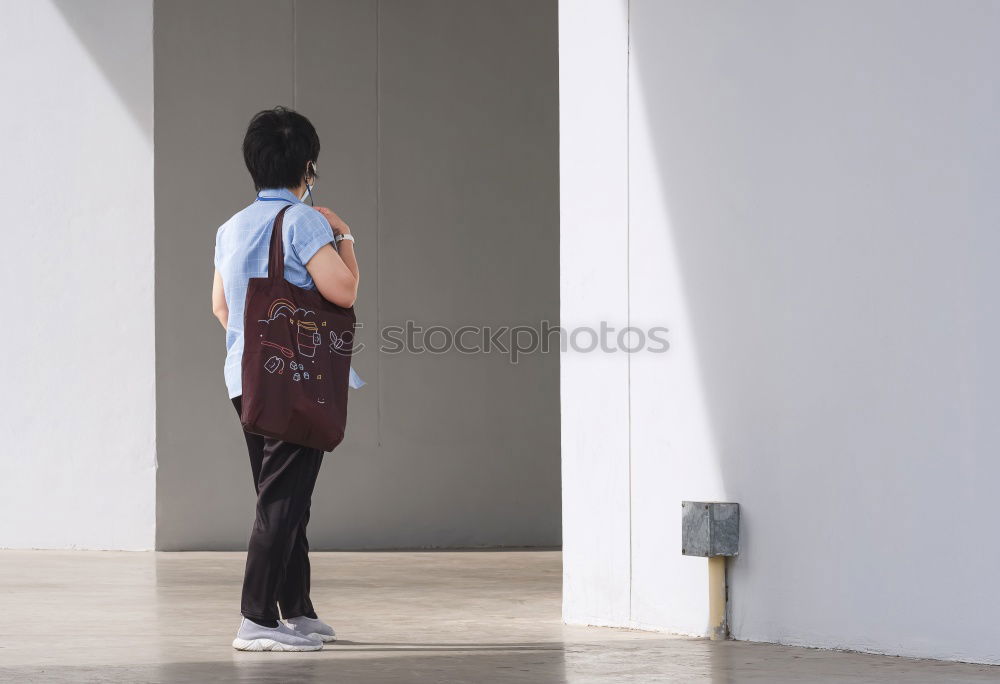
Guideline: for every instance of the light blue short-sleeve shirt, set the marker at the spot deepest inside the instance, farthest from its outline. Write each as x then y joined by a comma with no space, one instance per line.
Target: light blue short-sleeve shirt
241,251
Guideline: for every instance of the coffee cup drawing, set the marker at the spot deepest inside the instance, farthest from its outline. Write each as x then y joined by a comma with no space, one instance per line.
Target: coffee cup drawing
308,338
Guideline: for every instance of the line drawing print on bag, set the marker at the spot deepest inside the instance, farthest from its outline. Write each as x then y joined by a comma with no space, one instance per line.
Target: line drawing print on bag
284,307
308,338
285,351
275,365
336,342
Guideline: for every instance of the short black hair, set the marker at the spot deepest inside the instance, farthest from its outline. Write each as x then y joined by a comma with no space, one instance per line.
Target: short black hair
278,144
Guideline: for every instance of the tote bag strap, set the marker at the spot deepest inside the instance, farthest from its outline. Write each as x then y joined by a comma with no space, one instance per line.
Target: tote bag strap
276,254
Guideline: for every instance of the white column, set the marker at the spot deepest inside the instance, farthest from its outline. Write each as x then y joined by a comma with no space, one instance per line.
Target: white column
77,408
593,82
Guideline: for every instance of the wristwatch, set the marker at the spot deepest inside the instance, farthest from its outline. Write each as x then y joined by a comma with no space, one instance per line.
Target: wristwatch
348,236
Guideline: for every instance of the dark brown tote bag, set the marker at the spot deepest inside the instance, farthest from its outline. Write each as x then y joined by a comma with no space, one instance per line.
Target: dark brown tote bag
296,358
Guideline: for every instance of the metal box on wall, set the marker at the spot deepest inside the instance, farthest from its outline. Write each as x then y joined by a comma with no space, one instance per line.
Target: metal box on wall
710,528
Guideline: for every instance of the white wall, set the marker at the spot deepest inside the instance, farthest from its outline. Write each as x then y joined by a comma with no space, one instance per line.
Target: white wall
593,286
77,406
812,212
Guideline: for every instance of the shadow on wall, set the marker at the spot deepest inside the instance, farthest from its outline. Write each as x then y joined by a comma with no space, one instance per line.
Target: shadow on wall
114,51
820,185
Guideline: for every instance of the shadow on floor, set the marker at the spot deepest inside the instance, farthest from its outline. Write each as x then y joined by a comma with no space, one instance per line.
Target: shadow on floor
509,663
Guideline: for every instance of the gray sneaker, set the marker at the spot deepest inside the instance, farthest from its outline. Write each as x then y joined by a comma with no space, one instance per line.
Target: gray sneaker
254,637
311,627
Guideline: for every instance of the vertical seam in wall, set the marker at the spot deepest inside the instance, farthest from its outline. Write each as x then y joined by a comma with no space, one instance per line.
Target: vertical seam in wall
156,327
378,219
295,54
628,274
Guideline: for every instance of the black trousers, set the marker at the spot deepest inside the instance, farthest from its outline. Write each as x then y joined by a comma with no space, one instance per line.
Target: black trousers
277,571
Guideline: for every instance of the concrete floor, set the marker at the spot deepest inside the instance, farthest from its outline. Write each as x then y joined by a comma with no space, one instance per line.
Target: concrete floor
78,616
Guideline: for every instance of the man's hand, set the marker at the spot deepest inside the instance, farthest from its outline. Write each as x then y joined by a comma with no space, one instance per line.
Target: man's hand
337,223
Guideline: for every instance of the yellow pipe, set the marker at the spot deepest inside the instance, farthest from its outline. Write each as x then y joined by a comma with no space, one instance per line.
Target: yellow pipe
717,598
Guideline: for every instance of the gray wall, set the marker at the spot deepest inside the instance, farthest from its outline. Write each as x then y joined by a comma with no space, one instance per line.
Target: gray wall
439,130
